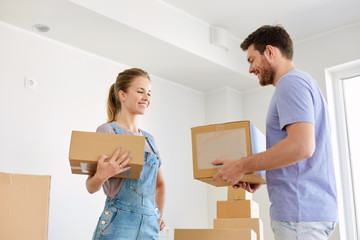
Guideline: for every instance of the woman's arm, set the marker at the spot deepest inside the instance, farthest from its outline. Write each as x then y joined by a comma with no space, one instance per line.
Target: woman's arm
160,196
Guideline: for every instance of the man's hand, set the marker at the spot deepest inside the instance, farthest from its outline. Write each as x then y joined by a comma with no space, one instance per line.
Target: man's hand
250,187
231,172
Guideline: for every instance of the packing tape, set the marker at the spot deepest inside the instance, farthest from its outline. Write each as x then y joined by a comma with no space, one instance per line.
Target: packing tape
84,167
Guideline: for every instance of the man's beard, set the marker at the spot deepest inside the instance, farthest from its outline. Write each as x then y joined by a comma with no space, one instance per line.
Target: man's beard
266,73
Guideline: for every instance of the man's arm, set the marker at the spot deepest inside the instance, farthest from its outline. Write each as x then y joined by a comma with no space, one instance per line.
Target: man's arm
298,145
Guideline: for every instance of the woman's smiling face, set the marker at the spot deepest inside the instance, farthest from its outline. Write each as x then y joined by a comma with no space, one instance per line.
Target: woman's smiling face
138,96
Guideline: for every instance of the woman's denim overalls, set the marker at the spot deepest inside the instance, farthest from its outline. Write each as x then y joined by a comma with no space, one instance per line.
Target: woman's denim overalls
133,214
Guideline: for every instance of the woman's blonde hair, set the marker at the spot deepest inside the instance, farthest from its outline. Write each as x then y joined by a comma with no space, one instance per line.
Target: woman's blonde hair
122,82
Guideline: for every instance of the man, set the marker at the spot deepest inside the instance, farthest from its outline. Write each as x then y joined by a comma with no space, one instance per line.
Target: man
298,160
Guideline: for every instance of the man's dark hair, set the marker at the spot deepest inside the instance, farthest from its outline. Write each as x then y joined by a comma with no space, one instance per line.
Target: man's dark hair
270,35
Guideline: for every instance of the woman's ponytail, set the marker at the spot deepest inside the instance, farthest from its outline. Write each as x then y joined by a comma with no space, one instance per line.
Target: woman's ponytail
112,108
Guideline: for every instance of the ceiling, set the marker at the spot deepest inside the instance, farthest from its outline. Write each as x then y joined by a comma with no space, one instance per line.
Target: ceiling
303,19
171,38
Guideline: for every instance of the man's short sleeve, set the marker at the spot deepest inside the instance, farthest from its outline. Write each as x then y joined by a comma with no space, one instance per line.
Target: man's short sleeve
294,101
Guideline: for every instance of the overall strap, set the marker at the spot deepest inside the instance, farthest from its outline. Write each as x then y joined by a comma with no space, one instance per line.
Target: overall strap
117,130
150,142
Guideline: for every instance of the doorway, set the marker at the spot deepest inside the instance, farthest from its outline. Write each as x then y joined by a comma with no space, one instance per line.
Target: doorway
343,95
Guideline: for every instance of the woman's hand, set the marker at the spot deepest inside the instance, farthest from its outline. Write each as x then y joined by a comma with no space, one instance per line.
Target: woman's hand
106,169
161,223
117,164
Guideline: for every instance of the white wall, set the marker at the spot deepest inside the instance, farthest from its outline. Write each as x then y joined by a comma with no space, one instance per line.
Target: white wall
328,50
222,105
71,94
255,105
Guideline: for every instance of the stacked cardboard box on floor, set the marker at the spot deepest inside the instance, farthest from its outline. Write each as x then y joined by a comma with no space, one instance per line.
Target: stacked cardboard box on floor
239,212
215,234
238,217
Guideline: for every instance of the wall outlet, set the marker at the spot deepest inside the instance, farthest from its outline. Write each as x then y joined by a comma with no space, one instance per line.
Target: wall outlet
30,83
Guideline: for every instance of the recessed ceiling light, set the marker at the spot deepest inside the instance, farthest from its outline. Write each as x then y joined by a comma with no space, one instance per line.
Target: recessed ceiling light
40,28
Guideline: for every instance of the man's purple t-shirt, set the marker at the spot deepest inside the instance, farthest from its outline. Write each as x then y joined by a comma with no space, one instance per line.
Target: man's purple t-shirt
305,191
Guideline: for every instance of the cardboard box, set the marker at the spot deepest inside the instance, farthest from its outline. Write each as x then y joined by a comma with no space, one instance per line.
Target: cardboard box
24,206
232,140
253,223
237,209
238,194
214,234
87,147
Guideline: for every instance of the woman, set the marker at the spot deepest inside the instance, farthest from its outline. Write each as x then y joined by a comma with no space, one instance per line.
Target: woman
133,208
